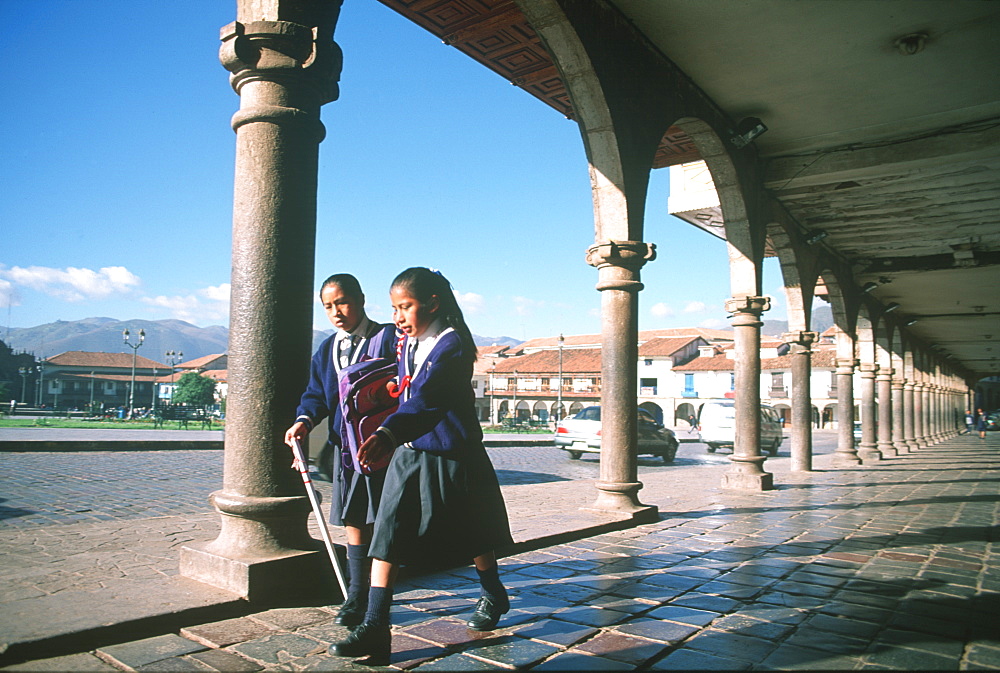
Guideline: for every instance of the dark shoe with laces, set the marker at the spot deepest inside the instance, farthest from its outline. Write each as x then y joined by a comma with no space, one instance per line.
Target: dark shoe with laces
352,613
368,640
487,614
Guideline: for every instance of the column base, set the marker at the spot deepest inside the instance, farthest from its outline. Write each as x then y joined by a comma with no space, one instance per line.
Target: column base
869,456
297,577
887,451
845,459
742,481
622,498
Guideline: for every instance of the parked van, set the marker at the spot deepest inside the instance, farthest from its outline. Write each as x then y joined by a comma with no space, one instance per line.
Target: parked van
717,420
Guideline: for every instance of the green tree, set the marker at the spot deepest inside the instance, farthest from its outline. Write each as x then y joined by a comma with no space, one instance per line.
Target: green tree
194,388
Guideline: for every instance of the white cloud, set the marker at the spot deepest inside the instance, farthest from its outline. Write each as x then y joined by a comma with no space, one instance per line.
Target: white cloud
526,307
207,304
713,323
695,307
471,302
661,310
74,284
8,294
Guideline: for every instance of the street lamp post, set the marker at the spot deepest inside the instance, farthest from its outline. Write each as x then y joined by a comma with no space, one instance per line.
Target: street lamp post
514,410
173,357
559,409
41,386
24,371
135,347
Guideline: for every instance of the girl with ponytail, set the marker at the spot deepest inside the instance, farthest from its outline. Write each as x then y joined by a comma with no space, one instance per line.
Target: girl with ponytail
441,503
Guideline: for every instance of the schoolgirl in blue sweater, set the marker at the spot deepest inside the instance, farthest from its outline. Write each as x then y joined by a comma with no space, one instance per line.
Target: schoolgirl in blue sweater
441,502
355,496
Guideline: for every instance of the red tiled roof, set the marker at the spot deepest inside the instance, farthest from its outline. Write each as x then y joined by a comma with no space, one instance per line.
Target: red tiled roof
202,362
644,336
89,359
574,361
665,345
721,363
486,351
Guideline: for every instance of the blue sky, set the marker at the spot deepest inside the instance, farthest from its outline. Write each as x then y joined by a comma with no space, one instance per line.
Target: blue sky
118,178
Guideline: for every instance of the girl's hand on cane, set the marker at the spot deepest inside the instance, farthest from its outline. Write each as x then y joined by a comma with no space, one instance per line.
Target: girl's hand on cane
297,432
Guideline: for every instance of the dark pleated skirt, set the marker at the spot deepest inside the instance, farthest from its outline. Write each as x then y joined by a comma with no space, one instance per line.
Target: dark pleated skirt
440,509
355,496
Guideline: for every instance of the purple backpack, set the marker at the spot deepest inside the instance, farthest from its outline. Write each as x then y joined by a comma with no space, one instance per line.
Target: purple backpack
364,405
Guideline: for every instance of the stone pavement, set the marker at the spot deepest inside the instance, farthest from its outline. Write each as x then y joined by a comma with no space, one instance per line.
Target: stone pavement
893,566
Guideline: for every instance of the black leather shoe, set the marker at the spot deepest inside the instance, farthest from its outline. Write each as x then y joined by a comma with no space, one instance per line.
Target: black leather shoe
352,613
368,640
487,614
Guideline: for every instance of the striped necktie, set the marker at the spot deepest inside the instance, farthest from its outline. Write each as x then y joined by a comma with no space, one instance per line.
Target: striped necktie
411,357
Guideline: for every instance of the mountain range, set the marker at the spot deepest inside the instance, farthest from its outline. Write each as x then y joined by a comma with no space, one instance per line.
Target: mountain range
104,335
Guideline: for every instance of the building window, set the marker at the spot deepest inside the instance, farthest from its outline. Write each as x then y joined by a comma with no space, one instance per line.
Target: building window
647,387
732,381
689,390
648,362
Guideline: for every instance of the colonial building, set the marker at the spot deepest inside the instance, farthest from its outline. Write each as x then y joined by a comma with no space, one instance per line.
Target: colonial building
79,379
213,366
676,374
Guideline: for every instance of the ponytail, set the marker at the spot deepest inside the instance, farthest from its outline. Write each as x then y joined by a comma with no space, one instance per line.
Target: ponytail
423,283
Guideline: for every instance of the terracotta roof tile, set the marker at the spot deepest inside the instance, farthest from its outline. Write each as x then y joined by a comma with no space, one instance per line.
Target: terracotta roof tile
665,345
89,359
574,361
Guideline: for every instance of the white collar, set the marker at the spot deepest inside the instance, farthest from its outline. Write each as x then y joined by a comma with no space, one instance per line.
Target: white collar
361,329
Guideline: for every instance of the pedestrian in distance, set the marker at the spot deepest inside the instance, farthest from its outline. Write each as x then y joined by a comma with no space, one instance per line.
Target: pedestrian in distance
970,422
355,496
981,423
692,424
441,504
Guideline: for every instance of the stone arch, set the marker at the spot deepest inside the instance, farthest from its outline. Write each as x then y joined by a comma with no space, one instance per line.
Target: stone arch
558,412
784,412
540,411
653,409
684,411
575,408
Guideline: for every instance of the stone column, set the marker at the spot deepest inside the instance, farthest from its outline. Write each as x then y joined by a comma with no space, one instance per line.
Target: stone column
618,264
284,69
909,415
919,417
868,451
801,352
898,416
885,418
746,471
846,453
935,412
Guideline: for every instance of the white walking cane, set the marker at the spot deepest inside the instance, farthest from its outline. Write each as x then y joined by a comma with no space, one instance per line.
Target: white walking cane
302,466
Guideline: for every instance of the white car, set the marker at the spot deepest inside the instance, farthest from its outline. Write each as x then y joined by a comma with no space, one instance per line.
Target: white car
581,434
717,420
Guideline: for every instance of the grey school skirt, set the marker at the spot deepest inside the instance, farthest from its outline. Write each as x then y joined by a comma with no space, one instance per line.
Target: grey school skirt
440,509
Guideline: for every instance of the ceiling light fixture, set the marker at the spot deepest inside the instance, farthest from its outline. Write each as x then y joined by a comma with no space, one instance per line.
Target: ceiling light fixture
868,287
911,322
748,129
817,237
891,307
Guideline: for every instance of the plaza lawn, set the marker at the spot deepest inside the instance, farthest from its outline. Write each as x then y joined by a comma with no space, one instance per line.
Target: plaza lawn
118,424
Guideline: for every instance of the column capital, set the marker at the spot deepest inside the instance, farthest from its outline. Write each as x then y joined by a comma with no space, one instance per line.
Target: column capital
805,339
748,304
846,365
619,263
885,373
279,51
868,369
631,255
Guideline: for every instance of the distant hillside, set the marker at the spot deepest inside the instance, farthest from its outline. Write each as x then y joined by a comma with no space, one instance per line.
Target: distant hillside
104,335
822,320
